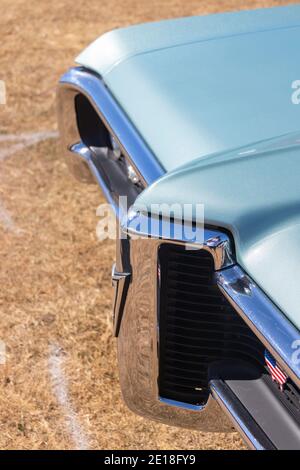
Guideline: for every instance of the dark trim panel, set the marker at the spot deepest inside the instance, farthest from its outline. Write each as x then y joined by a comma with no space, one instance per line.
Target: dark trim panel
252,434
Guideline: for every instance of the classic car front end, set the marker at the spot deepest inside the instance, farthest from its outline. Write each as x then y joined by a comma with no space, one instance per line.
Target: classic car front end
186,112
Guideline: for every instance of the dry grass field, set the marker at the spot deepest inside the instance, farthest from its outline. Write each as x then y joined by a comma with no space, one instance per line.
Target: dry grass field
59,387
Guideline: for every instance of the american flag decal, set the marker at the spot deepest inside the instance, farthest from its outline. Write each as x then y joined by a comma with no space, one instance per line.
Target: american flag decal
275,371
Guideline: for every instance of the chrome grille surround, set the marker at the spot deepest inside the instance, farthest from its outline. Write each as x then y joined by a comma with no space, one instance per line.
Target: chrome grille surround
138,347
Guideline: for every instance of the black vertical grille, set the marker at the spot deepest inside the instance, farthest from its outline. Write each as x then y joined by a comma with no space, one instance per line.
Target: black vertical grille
198,326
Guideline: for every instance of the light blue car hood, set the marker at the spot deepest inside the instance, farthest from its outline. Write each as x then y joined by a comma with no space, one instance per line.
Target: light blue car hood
203,86
195,86
254,193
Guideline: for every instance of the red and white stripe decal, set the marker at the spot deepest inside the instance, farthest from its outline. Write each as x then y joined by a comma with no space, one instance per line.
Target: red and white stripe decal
276,373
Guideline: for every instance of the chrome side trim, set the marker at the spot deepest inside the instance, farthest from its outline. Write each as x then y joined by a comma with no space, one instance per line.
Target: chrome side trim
217,243
84,154
79,80
180,404
252,434
268,323
120,282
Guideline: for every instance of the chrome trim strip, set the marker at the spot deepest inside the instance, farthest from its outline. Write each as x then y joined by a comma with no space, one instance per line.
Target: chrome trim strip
120,282
252,434
215,242
84,153
115,119
268,323
180,404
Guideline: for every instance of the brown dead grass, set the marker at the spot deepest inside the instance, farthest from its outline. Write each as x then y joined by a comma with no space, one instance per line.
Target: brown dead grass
55,276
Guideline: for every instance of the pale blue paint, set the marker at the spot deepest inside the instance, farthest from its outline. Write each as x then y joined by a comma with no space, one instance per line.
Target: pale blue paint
256,197
197,86
200,85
